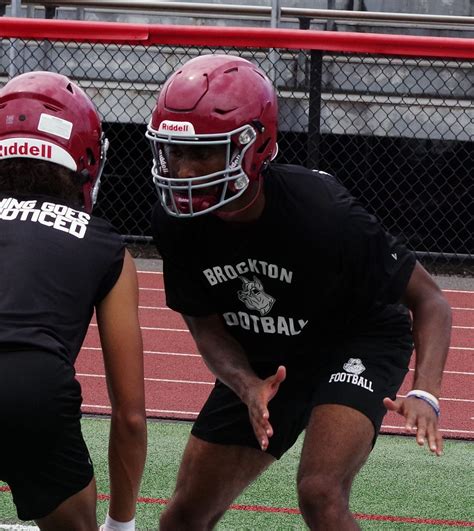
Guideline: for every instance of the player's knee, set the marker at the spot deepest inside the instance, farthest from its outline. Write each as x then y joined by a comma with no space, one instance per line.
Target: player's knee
132,422
183,516
320,493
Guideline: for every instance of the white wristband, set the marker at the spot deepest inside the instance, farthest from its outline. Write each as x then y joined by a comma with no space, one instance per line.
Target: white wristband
113,525
427,397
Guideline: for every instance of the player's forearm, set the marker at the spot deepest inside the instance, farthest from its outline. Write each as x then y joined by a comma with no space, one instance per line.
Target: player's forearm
127,454
432,333
224,355
228,362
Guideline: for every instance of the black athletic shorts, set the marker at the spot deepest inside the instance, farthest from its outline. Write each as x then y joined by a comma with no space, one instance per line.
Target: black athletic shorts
43,456
359,373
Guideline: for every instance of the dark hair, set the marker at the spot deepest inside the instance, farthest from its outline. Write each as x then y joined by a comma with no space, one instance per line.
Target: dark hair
29,176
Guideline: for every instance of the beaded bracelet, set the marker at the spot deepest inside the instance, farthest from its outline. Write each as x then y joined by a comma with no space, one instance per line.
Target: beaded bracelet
427,397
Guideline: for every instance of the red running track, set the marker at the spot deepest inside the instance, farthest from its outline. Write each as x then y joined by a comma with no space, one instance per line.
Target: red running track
178,382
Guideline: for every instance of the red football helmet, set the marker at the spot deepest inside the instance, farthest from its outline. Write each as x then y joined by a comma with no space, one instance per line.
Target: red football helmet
46,116
213,100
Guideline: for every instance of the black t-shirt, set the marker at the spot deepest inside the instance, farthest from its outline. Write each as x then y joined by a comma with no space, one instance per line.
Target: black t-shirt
56,264
316,267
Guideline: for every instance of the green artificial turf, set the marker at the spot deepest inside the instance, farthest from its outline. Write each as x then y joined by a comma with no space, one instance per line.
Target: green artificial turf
399,481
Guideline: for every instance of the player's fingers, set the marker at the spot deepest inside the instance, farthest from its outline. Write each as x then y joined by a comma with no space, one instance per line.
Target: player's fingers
263,423
269,430
257,405
280,375
259,415
261,426
410,422
439,444
276,379
272,389
261,435
262,441
435,440
391,405
421,431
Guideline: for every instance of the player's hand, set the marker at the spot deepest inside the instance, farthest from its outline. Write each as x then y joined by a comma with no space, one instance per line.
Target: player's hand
257,402
421,417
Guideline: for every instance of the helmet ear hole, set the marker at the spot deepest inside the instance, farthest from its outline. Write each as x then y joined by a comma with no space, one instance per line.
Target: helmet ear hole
258,125
90,157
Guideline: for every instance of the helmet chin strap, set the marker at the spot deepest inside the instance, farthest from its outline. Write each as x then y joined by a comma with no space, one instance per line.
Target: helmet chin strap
230,215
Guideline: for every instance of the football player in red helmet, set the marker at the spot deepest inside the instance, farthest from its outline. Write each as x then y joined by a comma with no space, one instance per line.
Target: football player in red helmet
296,297
55,121
194,119
61,263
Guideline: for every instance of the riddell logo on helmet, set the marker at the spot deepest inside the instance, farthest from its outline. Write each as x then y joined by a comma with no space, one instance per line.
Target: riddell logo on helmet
25,149
32,148
178,128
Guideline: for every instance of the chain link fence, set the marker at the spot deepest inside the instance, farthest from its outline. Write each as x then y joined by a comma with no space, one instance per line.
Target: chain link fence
397,131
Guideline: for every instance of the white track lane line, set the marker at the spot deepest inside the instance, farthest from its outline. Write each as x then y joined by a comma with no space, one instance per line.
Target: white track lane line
457,291
154,352
451,372
464,432
151,289
160,329
165,380
148,410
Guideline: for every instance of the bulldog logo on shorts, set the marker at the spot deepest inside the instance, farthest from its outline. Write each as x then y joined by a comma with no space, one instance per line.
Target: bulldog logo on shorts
354,366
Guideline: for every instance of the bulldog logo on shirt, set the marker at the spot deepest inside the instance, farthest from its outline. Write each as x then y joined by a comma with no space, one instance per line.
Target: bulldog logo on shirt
254,297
